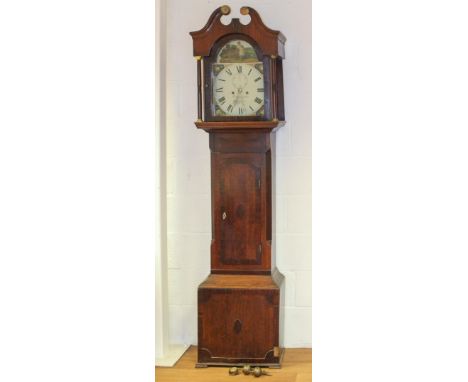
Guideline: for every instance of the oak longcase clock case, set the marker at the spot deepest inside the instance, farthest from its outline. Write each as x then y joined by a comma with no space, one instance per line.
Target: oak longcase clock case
240,105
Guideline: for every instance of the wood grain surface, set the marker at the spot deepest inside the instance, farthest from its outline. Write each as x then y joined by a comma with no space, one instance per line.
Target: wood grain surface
239,282
296,367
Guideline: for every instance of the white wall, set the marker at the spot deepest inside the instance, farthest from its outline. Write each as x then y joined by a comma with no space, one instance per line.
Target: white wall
188,167
162,314
77,190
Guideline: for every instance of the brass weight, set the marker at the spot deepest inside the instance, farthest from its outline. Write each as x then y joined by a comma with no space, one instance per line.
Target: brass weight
258,372
248,370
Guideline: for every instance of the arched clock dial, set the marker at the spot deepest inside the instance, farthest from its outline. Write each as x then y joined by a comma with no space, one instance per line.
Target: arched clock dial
238,88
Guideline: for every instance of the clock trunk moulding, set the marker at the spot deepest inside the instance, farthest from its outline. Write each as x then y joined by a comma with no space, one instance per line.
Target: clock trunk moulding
240,105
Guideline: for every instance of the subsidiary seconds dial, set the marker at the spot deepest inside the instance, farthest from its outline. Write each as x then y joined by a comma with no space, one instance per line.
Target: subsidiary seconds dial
238,89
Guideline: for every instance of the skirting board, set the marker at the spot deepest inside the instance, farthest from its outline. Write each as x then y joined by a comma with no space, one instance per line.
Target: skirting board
172,356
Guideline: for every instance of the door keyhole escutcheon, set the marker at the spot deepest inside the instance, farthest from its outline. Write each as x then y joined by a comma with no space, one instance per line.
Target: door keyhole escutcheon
224,215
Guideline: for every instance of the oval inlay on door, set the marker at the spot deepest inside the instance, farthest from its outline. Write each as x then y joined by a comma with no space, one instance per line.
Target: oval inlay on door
237,326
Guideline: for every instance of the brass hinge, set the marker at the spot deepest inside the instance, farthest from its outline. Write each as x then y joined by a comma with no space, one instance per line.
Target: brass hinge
259,249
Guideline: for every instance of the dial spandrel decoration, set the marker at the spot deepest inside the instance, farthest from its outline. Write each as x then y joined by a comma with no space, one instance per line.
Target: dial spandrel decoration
238,85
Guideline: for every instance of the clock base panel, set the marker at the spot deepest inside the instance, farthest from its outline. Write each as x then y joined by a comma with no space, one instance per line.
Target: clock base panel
239,320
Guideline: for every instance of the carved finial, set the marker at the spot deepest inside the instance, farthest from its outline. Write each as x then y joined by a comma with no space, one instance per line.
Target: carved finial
225,10
244,10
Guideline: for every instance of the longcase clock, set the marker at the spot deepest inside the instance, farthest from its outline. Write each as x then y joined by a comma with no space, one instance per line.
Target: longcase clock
240,105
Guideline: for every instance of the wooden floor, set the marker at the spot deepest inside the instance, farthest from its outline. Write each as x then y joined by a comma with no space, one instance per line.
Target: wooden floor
296,367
